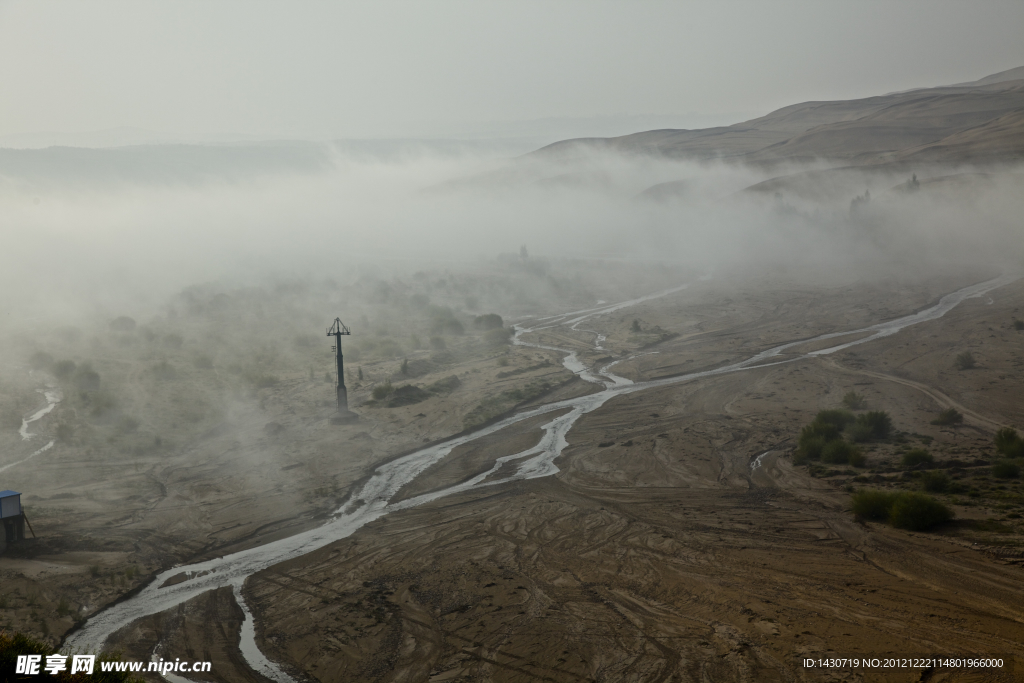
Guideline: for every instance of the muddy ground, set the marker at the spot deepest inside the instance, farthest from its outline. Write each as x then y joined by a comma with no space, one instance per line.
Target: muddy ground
658,553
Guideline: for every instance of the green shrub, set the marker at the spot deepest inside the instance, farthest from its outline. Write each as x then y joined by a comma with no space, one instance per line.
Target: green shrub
635,327
837,418
1018,324
1006,469
854,401
382,391
857,458
917,512
903,510
859,432
950,416
811,445
838,452
1009,443
873,504
935,481
915,457
965,361
877,421
826,431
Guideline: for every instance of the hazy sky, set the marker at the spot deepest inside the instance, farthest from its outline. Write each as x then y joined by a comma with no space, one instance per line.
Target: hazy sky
345,69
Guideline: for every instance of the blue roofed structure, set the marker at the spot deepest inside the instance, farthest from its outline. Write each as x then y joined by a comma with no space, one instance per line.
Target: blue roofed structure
10,504
12,518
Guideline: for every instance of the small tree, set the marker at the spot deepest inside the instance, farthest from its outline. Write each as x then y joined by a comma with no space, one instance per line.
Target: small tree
854,401
359,374
872,425
1018,324
382,391
839,452
836,418
1009,443
965,361
917,512
636,326
872,504
405,366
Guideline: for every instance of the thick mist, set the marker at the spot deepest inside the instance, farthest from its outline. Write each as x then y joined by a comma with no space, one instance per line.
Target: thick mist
129,233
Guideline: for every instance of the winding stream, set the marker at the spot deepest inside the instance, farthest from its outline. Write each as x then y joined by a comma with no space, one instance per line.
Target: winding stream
372,501
53,397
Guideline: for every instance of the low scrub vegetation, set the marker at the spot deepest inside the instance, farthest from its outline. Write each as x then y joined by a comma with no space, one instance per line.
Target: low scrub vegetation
950,416
1009,443
917,456
936,481
1006,469
903,510
854,401
824,439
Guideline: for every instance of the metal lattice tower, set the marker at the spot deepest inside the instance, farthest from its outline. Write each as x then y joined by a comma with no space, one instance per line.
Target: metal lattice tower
336,330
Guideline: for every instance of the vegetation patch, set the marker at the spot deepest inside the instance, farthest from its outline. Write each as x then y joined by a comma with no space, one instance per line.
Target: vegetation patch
950,416
823,439
854,401
917,456
1006,469
1009,443
903,510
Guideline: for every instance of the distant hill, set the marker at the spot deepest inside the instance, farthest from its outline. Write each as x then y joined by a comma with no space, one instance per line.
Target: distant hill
981,121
